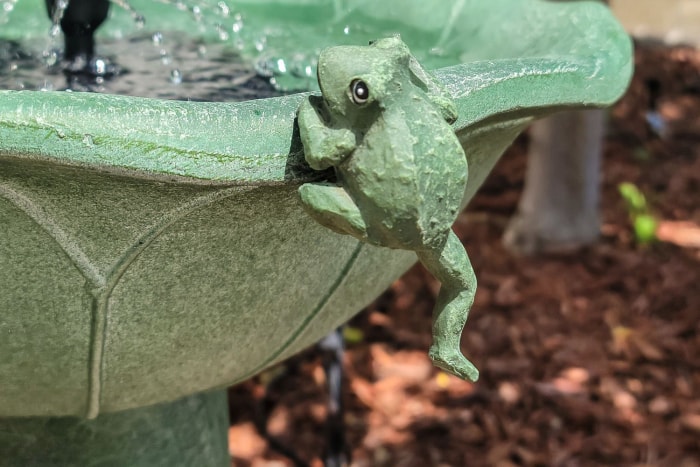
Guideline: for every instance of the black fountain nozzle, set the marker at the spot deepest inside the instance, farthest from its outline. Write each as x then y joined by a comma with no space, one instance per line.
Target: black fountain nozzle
79,22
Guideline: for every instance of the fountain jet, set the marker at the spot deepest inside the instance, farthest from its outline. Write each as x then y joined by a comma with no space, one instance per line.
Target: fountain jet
79,20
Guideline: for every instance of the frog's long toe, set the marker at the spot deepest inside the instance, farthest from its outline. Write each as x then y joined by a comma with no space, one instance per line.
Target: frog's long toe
454,363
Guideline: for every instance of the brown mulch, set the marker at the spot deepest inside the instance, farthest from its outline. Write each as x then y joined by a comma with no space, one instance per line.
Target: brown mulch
587,358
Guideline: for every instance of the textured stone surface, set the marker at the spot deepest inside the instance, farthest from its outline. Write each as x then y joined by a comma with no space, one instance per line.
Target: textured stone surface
150,249
188,432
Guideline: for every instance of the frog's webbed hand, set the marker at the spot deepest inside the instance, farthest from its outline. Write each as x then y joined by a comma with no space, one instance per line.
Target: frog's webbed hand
332,207
324,146
451,266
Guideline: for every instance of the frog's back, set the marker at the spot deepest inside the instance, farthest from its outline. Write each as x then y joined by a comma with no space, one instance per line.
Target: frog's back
409,176
442,177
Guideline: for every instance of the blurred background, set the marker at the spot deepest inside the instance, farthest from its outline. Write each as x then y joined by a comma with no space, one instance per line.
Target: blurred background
589,355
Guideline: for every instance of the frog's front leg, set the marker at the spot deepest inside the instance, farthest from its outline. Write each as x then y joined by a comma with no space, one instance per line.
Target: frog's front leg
324,146
332,207
451,266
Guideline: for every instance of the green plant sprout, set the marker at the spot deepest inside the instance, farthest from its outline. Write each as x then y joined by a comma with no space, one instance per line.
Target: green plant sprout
644,223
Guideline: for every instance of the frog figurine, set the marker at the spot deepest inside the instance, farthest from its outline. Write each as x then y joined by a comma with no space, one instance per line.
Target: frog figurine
383,124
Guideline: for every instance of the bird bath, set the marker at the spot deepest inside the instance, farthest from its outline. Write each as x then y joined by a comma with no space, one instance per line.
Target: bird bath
154,249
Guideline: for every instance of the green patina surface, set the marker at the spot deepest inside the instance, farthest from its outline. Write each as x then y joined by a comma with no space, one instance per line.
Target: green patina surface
151,249
189,432
383,125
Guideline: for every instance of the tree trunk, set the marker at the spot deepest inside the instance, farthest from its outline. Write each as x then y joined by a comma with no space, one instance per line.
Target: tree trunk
559,206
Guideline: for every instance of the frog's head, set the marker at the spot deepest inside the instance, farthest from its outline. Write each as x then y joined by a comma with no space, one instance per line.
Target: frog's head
359,82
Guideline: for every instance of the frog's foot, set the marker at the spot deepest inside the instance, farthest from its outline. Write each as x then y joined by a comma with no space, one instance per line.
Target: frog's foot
332,207
453,362
450,265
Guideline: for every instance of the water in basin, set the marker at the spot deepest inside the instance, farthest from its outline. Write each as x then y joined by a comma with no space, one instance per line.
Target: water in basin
188,71
159,64
218,50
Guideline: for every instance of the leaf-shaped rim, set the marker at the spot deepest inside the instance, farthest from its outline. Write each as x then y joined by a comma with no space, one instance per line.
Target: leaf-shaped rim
253,143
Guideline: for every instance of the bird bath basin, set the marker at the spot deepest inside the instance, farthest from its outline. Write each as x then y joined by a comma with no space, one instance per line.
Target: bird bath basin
153,249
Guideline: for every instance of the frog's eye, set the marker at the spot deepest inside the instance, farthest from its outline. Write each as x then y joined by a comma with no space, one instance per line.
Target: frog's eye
359,92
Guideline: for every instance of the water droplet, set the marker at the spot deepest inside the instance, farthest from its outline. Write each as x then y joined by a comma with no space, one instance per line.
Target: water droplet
100,66
157,38
99,80
346,30
224,10
58,11
135,15
260,44
202,51
165,58
47,86
175,76
55,30
8,6
50,57
223,35
281,66
88,141
197,13
237,25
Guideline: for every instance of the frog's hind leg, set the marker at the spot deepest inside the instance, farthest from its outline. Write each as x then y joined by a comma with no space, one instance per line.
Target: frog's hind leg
451,266
332,207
